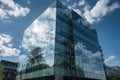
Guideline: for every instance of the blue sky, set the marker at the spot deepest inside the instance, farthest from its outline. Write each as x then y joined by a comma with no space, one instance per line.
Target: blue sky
17,15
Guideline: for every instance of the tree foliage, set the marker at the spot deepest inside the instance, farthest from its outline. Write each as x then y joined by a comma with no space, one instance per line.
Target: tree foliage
1,72
112,76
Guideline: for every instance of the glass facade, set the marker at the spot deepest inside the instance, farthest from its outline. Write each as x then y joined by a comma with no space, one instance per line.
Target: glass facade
64,49
38,45
61,45
88,56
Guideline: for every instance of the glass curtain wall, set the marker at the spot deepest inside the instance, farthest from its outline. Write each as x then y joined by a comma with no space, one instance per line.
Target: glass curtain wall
64,51
61,43
38,45
88,56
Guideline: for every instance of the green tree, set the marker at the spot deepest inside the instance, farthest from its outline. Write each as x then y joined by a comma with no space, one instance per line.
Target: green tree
1,72
112,76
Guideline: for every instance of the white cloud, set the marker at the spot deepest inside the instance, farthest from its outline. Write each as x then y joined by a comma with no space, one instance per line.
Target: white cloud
82,47
110,58
114,6
41,33
38,33
82,2
23,58
14,9
6,47
100,10
91,57
97,12
3,14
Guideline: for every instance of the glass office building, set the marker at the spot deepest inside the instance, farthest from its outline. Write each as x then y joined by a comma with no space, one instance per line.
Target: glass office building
61,45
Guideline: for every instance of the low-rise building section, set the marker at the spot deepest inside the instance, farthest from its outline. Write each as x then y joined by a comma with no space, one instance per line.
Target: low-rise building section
10,69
